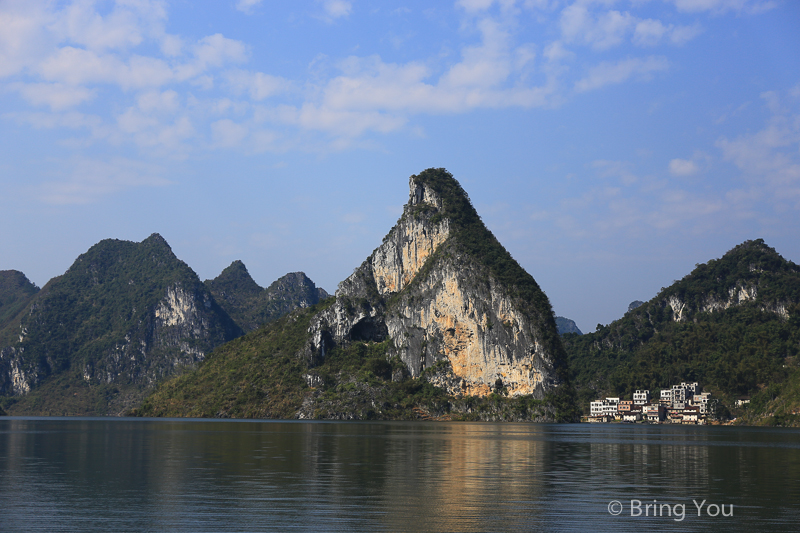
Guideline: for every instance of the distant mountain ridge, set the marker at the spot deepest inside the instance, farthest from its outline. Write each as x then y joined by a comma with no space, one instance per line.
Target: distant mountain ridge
252,306
565,325
15,291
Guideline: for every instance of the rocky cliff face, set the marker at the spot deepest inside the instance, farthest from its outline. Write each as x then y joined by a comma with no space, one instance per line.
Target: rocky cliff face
124,314
451,300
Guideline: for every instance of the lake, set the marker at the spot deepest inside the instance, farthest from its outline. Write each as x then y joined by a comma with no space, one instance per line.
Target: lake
103,474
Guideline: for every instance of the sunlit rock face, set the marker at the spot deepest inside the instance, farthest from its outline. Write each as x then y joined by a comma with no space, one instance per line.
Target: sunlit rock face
441,307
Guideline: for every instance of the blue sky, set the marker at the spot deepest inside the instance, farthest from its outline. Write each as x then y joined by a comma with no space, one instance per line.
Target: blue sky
610,145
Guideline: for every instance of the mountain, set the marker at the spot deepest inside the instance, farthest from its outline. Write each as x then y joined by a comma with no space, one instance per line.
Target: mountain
634,304
439,319
15,292
565,325
252,306
95,339
732,325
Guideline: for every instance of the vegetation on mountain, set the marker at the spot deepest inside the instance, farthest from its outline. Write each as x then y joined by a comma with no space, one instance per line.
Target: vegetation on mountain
260,376
98,323
15,292
252,306
255,376
732,325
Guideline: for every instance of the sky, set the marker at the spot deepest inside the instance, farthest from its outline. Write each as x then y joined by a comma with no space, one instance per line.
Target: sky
610,145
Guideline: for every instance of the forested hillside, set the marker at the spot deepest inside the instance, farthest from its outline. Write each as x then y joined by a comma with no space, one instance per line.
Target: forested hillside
733,325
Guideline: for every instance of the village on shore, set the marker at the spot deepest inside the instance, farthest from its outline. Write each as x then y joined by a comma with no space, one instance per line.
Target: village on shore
680,404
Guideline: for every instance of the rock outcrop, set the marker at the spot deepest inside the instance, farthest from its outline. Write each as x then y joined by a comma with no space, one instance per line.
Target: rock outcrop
451,299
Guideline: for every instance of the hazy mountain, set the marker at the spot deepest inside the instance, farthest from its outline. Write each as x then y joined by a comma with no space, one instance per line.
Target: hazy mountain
252,306
565,325
634,304
15,291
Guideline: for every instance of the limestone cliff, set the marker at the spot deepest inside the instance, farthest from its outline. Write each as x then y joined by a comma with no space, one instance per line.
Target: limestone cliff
450,298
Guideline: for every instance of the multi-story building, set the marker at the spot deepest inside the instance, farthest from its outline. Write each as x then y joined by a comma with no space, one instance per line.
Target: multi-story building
597,407
691,415
641,397
684,403
666,397
701,400
634,415
657,415
678,395
607,407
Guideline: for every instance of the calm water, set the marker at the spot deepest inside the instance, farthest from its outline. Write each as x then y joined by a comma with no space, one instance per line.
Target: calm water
197,475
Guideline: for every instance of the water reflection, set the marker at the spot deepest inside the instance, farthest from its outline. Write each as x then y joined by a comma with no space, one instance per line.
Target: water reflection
178,475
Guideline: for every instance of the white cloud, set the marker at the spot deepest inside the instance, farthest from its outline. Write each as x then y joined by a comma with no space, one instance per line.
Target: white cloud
90,180
246,6
770,158
477,6
682,167
649,32
722,6
472,6
681,35
165,102
601,31
70,119
485,65
257,84
335,9
120,56
24,37
617,169
612,73
226,133
76,66
56,95
486,76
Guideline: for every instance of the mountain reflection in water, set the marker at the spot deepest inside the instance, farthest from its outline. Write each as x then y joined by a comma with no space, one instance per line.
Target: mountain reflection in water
210,475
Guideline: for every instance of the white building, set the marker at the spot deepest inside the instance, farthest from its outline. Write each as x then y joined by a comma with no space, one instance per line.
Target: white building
607,407
666,396
633,416
641,397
